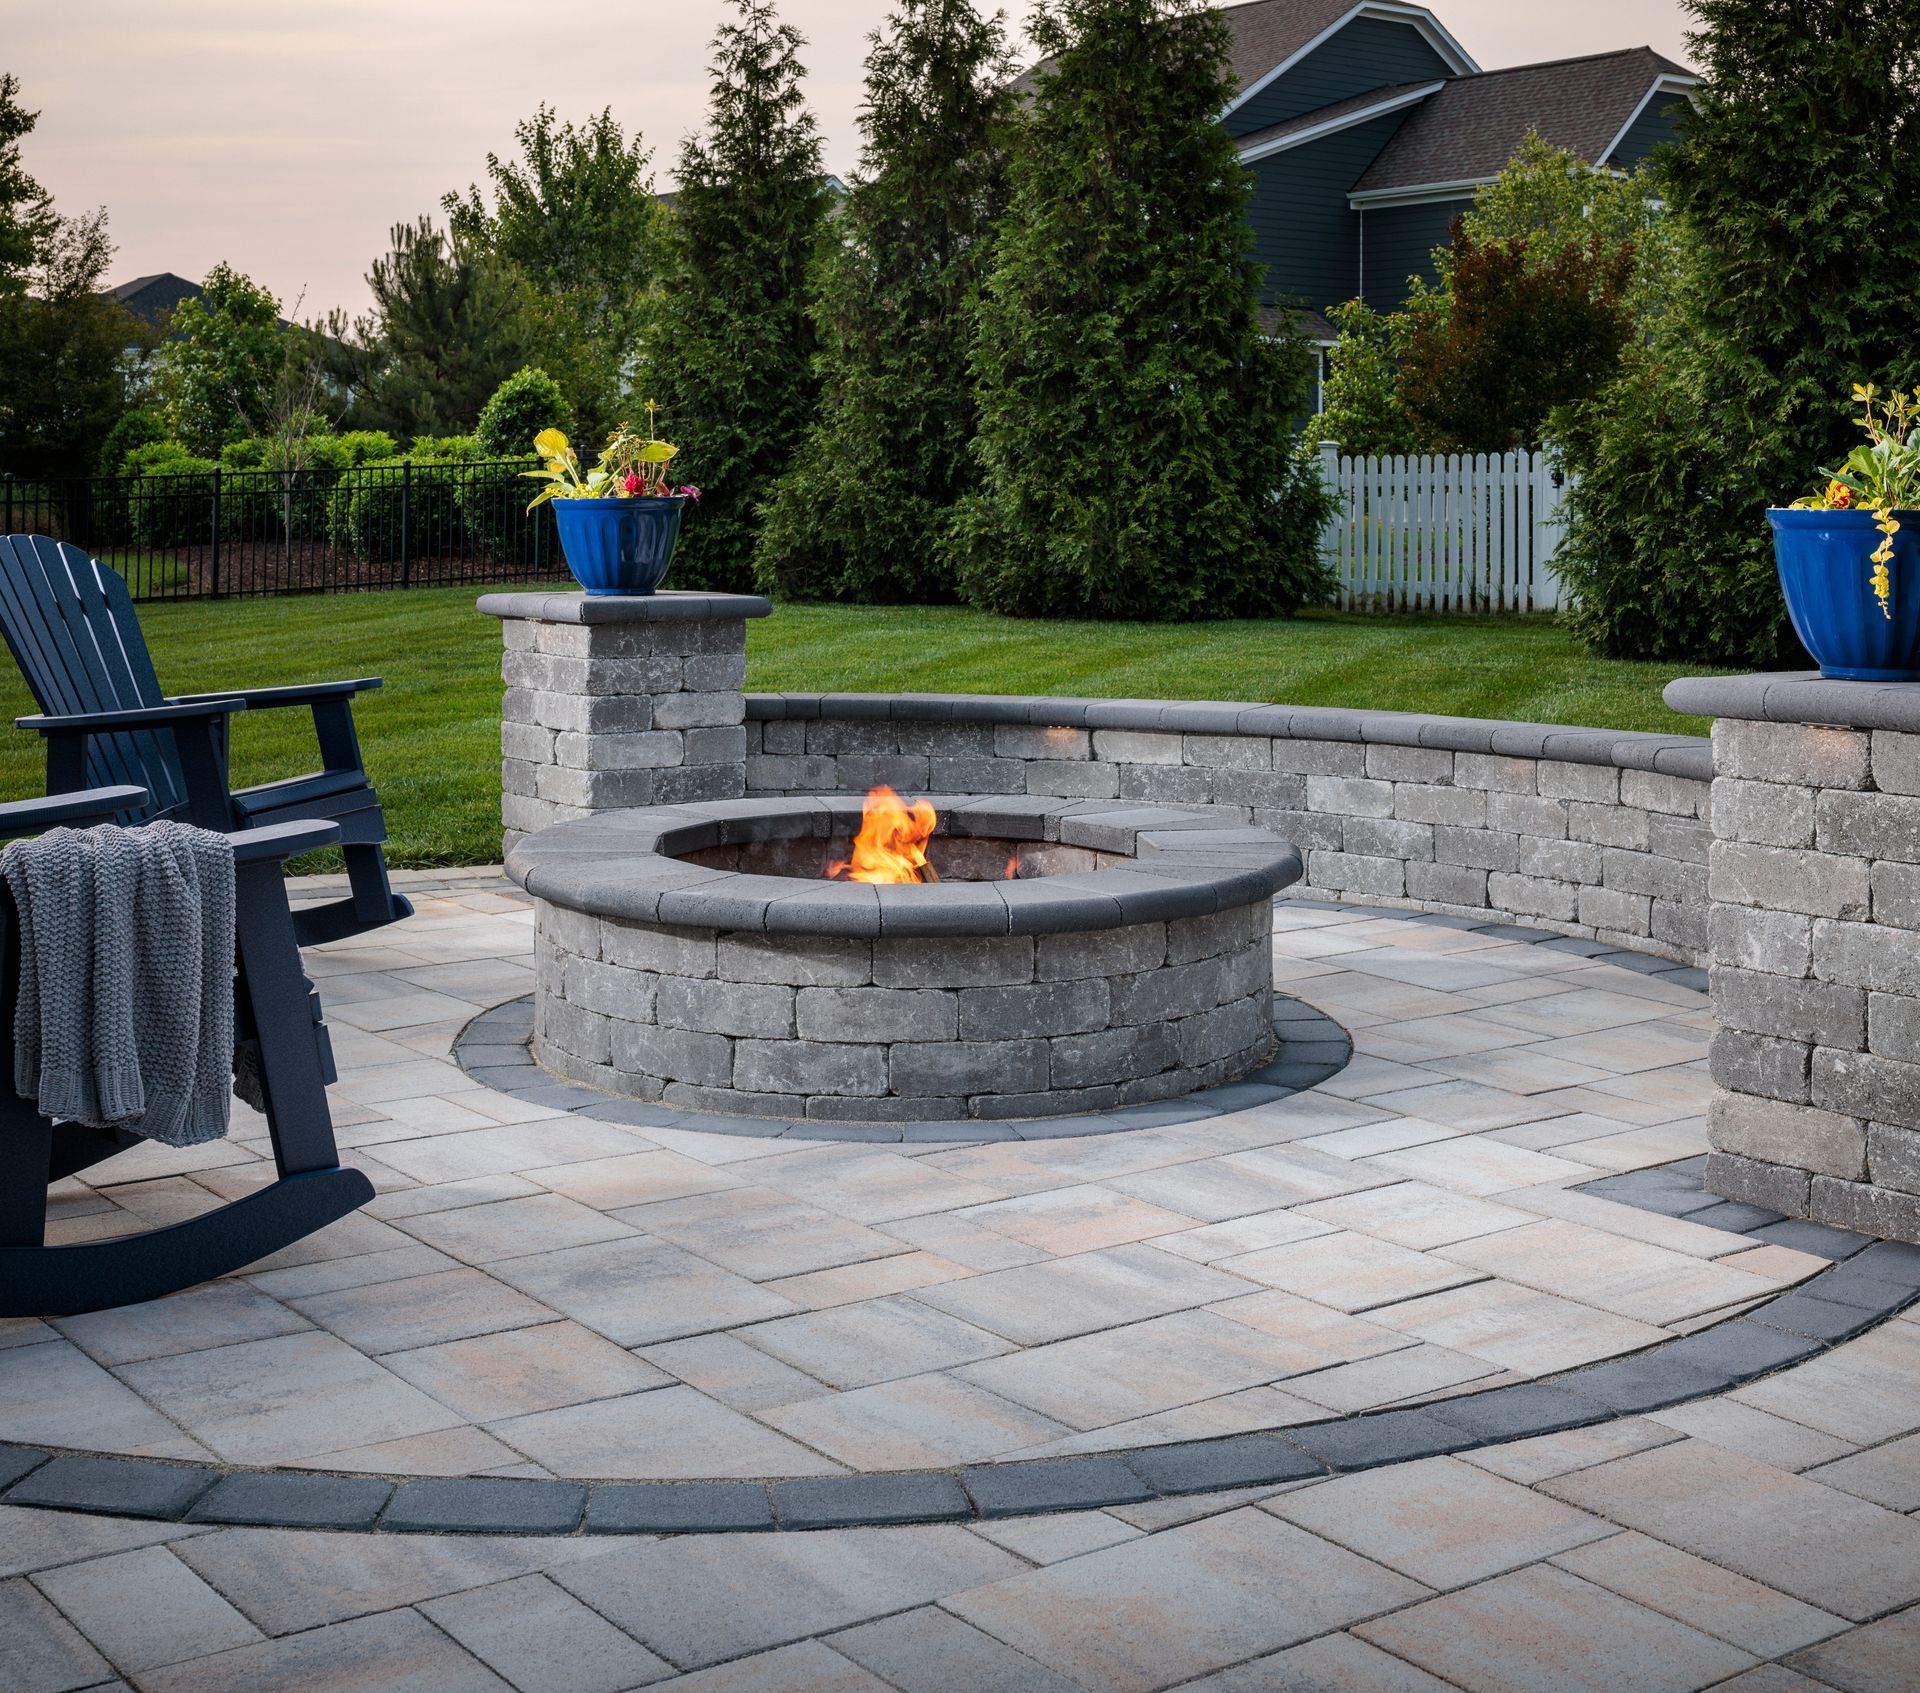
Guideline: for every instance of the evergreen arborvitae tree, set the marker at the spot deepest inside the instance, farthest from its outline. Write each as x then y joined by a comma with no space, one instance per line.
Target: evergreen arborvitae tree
1797,187
861,512
729,340
1137,433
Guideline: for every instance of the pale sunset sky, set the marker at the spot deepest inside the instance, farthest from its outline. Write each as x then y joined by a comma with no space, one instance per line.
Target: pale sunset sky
286,138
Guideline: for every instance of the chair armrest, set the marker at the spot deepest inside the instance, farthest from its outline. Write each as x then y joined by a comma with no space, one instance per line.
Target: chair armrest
266,699
90,805
283,840
142,717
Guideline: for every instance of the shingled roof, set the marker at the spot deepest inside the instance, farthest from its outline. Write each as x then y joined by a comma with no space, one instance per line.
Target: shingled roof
1470,129
1265,33
1323,116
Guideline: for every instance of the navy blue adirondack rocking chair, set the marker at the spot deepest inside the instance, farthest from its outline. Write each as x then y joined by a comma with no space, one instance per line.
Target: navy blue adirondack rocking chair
70,623
276,1010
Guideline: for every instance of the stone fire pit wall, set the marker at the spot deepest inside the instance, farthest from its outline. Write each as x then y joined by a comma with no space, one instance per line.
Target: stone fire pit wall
1815,926
1130,963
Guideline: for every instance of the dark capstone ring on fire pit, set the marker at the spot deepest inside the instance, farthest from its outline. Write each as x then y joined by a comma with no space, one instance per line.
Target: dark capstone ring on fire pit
694,954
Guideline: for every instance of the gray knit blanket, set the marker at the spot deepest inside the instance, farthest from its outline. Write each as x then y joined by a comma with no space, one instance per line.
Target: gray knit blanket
125,1015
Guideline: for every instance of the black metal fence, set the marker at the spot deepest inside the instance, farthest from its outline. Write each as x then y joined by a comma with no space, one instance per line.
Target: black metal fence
252,532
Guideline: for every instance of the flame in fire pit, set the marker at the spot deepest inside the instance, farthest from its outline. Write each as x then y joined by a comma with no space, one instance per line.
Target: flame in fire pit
892,843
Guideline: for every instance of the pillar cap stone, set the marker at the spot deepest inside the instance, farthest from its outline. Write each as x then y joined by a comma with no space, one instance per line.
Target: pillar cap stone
1799,696
673,606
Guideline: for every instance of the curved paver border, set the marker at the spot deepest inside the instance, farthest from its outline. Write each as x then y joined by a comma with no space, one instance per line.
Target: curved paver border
1795,1325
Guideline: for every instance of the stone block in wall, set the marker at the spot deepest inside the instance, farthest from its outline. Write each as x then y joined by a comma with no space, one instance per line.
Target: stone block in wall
1447,884
969,775
1051,742
1267,790
1818,884
1597,783
1767,813
1868,825
1381,837
1865,1208
1681,926
1479,849
859,771
1895,758
1495,775
1228,752
715,1007
1773,1187
783,774
1893,1026
1762,1065
838,736
1620,913
1534,896
1409,764
1139,746
1320,758
1161,784
1415,802
1893,1157
1895,891
1527,814
1808,755
1345,872
1651,790
1349,796
1620,826
1863,1085
1823,1142
1648,873
1827,1012
1686,840
1778,942
1073,781
1564,861
1865,955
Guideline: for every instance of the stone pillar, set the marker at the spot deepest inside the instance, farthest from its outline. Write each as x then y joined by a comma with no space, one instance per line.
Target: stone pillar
615,701
1814,929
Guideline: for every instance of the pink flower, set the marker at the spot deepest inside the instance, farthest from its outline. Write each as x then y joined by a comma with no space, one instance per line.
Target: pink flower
689,491
632,483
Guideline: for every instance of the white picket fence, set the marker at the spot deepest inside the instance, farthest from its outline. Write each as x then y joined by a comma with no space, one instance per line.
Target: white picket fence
1460,532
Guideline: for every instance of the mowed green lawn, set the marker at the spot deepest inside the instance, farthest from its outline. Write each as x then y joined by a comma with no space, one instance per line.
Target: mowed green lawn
432,735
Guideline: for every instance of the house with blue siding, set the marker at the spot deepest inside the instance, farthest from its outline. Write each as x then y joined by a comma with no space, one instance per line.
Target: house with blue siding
1366,128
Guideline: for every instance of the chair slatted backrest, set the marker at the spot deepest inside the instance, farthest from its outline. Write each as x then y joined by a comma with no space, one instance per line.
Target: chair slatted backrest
72,629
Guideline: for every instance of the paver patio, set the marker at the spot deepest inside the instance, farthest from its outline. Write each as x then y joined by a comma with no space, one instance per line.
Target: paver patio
534,1294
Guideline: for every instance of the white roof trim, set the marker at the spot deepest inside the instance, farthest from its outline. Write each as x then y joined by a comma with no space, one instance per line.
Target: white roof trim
1666,84
1332,126
1420,193
1425,22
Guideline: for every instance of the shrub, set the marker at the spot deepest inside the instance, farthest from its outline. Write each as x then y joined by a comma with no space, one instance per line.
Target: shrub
523,405
363,446
169,496
136,428
365,517
1516,335
1362,413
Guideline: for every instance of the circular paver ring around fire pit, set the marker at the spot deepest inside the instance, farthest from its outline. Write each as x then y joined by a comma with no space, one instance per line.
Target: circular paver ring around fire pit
1077,957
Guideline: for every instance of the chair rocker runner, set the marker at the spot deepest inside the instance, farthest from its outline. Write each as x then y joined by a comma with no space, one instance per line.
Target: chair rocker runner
71,625
276,1009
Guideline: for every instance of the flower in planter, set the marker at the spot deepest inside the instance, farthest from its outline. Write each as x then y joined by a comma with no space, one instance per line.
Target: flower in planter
1882,477
630,464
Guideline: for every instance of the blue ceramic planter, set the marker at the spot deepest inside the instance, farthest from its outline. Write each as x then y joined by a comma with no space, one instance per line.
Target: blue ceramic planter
619,546
1826,574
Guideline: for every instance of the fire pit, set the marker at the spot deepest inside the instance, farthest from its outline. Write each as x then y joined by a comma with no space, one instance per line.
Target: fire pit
958,958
